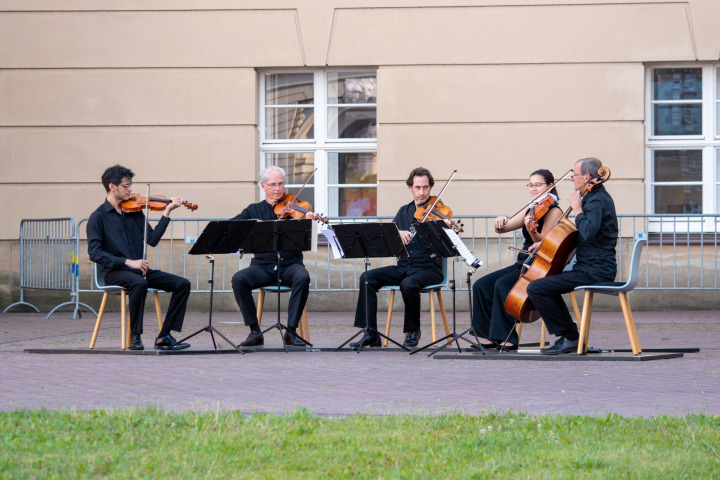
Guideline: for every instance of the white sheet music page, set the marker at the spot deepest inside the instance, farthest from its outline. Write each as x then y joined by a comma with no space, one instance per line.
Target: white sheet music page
462,249
333,242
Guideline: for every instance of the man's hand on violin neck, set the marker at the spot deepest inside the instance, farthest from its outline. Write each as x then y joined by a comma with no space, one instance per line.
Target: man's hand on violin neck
141,265
176,202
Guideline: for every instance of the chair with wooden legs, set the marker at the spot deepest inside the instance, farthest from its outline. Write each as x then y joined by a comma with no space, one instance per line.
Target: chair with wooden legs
614,288
429,289
124,316
543,330
303,328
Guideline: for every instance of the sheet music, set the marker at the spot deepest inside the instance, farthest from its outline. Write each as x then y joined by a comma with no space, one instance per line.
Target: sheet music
462,249
333,242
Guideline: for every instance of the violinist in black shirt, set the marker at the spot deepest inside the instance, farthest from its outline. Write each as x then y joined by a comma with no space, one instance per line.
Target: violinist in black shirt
115,243
262,273
411,273
597,226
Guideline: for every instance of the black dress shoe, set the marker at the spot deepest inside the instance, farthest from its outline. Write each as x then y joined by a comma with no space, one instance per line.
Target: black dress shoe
135,342
562,345
255,339
507,348
292,340
412,339
368,340
168,342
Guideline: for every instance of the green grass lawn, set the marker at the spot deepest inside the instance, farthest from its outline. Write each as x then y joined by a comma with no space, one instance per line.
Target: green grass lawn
153,443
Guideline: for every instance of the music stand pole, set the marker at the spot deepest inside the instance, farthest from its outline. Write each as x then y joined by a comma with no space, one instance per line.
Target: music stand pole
210,327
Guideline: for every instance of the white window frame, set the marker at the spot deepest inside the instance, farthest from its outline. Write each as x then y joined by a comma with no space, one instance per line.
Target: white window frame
708,142
321,145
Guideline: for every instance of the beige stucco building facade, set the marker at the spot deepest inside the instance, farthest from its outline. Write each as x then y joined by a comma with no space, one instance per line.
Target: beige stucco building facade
172,89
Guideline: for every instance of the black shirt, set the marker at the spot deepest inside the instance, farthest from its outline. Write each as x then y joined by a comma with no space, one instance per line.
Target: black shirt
264,211
418,253
597,235
528,240
114,237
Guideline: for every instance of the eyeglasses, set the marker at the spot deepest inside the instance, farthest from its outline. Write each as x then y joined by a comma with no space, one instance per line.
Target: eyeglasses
535,185
576,175
126,185
276,185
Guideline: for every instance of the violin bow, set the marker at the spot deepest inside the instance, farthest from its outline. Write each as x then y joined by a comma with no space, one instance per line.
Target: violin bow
290,204
147,221
437,198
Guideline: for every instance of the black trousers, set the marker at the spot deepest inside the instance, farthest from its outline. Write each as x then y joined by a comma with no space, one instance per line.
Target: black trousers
137,286
546,295
490,320
410,286
294,276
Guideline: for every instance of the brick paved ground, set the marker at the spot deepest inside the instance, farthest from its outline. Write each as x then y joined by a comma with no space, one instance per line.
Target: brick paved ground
374,382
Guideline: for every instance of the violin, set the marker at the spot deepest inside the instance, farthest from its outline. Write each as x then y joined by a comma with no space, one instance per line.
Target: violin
434,209
551,257
290,207
157,203
541,206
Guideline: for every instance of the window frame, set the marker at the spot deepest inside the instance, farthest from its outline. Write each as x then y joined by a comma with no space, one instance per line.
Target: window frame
320,145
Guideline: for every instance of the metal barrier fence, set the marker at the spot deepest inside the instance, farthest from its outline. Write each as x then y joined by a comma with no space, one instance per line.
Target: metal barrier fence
49,259
682,253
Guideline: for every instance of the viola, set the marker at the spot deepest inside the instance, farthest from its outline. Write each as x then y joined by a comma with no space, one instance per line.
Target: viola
541,206
290,207
434,209
157,203
550,258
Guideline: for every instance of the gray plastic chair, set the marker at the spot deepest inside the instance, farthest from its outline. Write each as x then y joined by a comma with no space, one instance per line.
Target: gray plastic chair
429,289
614,288
124,316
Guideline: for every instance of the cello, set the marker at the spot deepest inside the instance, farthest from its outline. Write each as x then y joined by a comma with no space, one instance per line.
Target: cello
554,253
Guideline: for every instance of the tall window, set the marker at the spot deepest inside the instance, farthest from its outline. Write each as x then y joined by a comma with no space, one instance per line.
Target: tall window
683,139
324,120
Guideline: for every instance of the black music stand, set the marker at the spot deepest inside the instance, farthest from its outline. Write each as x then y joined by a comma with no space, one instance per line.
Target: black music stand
433,233
277,237
358,240
219,237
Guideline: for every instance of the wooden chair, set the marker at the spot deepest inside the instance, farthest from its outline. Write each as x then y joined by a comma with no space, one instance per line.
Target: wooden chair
543,330
124,317
303,328
614,288
429,289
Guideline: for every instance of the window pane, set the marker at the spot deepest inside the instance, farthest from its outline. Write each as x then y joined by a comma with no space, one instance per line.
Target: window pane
355,87
354,202
352,167
678,199
352,122
677,83
677,119
677,166
289,123
297,166
289,89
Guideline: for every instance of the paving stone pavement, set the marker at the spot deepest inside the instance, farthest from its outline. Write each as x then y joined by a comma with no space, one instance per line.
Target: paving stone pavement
377,382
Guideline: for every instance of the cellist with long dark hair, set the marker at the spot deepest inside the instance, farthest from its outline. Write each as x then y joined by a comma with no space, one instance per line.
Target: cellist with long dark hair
597,227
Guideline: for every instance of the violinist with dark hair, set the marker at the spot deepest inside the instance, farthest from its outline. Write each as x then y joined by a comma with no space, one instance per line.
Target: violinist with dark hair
262,273
411,273
116,243
597,232
489,320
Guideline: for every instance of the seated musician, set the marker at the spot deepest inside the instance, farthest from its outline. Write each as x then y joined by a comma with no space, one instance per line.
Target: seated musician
411,273
490,321
597,226
115,243
262,273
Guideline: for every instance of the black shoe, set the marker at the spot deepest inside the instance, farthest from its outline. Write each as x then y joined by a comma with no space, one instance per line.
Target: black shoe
135,342
562,345
368,340
168,342
412,339
476,347
292,340
255,339
507,348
